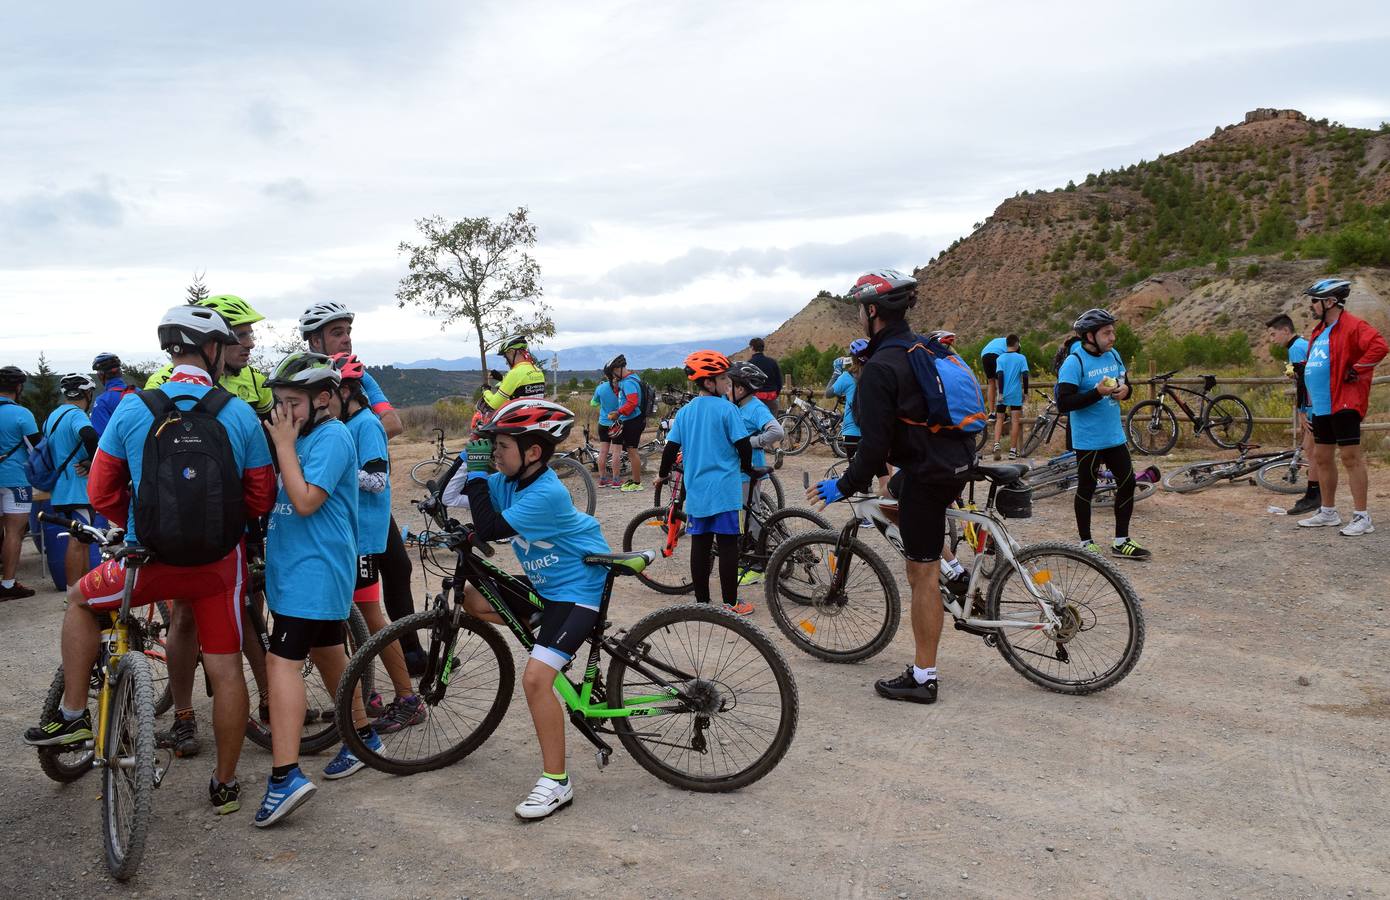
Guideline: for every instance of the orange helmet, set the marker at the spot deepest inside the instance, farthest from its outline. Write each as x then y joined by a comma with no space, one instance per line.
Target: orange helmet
705,364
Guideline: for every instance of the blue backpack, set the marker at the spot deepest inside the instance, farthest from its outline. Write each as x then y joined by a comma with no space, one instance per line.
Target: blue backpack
954,400
39,469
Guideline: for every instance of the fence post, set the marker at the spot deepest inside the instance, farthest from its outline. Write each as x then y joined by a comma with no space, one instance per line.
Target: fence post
1153,371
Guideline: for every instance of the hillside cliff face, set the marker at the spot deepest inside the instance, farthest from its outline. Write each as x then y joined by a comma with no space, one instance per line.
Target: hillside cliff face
1215,237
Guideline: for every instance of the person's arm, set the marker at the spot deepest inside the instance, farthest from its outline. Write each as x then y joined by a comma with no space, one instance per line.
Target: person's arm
108,486
101,414
87,436
770,434
744,447
1025,382
876,406
630,401
668,459
488,522
306,498
1372,352
774,380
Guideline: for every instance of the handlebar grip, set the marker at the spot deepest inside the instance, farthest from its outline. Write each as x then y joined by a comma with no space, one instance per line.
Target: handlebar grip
53,519
479,543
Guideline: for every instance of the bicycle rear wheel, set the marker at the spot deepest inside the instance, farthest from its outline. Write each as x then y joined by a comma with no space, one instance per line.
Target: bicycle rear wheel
798,432
1195,477
422,473
846,625
1284,476
62,764
737,708
577,480
1102,631
465,687
127,792
1229,422
770,489
1152,428
156,626
1037,437
1105,493
669,574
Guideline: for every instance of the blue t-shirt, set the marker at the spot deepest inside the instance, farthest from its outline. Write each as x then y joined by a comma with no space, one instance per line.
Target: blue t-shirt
552,538
16,423
1011,366
373,510
106,403
375,395
630,385
124,437
64,431
607,402
755,416
1098,426
997,346
311,561
845,386
1317,373
706,428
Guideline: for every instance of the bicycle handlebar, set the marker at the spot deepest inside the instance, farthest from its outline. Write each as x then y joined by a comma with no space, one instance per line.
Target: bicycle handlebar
83,532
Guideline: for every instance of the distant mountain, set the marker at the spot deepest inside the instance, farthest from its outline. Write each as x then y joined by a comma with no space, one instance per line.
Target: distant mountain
648,356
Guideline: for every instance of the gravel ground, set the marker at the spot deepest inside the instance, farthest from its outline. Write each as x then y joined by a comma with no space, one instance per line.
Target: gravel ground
1245,755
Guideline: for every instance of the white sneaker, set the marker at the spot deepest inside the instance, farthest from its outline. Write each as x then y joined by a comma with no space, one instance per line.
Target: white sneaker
1321,519
1358,526
546,797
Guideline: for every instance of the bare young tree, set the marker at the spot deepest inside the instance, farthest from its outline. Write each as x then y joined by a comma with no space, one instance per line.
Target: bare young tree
480,271
198,291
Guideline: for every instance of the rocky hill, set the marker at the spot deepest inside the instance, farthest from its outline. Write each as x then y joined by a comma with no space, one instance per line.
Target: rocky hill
1215,237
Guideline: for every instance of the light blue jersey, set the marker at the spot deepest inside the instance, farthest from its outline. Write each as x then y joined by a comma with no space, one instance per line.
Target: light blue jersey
1317,373
1011,366
706,428
1098,426
552,538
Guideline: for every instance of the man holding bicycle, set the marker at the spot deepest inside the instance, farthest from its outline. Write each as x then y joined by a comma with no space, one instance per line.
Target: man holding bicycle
887,399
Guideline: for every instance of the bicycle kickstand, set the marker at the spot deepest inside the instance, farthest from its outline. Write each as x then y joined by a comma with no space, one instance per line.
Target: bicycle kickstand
604,752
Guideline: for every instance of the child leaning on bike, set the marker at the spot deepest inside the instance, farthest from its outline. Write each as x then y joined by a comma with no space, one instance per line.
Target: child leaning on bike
763,430
712,439
523,499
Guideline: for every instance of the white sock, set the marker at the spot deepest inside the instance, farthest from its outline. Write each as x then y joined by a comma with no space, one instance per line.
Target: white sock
69,715
921,675
1084,542
1120,541
956,567
8,582
1363,513
1328,510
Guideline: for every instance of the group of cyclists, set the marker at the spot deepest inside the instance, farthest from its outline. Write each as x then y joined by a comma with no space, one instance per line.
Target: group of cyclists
298,462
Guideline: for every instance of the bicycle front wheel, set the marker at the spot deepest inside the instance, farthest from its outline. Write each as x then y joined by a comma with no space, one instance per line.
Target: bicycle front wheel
735,713
465,688
842,625
127,792
1284,476
798,432
577,480
422,473
1101,634
1152,428
1037,437
1229,422
1105,493
669,574
1195,477
62,764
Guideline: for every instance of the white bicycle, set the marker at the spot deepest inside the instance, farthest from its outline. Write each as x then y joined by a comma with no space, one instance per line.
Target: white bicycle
1063,618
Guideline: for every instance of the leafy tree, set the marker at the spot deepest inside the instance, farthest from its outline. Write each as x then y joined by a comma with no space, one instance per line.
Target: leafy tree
1127,342
197,290
41,390
480,271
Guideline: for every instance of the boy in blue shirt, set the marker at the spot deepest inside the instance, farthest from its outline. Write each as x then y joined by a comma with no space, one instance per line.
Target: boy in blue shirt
1011,373
989,358
763,429
713,440
18,432
73,443
1281,331
525,501
311,566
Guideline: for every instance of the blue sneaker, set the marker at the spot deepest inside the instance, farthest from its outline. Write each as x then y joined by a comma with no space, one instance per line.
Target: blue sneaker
283,797
346,762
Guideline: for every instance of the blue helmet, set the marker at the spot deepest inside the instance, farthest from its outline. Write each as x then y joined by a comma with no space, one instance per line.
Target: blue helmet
859,349
1330,289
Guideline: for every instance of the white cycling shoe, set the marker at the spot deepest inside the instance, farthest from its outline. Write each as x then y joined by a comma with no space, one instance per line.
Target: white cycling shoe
546,797
1358,526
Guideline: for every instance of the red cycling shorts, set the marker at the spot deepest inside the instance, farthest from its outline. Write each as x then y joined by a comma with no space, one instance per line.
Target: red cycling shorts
215,592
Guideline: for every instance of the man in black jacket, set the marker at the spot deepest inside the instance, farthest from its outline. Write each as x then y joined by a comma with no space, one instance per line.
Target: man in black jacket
934,467
773,388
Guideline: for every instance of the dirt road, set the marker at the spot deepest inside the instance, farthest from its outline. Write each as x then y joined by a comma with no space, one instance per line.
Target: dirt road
1209,771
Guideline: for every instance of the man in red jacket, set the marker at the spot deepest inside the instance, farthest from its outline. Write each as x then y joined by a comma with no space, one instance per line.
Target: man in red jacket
1342,355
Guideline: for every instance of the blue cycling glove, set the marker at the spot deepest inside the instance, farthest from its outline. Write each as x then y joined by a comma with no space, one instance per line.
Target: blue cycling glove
829,490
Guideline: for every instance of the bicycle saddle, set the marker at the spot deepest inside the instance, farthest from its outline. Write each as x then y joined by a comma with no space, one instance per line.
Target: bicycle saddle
1246,448
623,563
998,474
135,554
762,471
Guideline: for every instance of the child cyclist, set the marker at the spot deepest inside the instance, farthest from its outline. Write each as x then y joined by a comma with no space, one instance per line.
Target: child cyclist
605,400
373,526
713,441
525,501
763,430
311,564
1011,371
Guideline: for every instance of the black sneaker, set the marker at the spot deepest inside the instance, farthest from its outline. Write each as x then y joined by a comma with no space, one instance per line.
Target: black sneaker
1129,550
225,798
60,732
15,591
1306,504
182,738
905,687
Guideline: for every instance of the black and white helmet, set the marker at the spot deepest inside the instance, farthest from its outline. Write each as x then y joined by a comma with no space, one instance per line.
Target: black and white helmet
1092,320
320,314
75,384
190,327
748,375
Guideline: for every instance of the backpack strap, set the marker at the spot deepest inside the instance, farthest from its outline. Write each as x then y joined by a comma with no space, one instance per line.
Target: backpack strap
11,451
157,402
213,401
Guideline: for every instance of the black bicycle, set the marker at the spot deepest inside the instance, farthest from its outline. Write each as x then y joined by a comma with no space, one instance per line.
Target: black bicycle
810,424
587,454
699,697
1041,431
1194,477
1153,427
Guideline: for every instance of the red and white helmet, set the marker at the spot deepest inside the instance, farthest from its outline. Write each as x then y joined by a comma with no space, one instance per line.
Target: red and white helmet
531,416
885,288
349,367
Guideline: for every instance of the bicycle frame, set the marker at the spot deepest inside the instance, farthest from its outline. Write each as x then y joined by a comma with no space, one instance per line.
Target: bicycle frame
1199,419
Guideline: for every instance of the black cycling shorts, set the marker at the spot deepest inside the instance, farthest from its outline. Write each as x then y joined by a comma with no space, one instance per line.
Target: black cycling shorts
603,436
922,514
368,571
1342,428
560,628
632,432
1003,407
294,637
988,361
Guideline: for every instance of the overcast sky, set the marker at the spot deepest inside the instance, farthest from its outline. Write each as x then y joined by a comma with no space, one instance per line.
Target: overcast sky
697,170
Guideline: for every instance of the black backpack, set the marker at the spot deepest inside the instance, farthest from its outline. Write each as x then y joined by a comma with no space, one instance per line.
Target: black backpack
646,398
188,506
